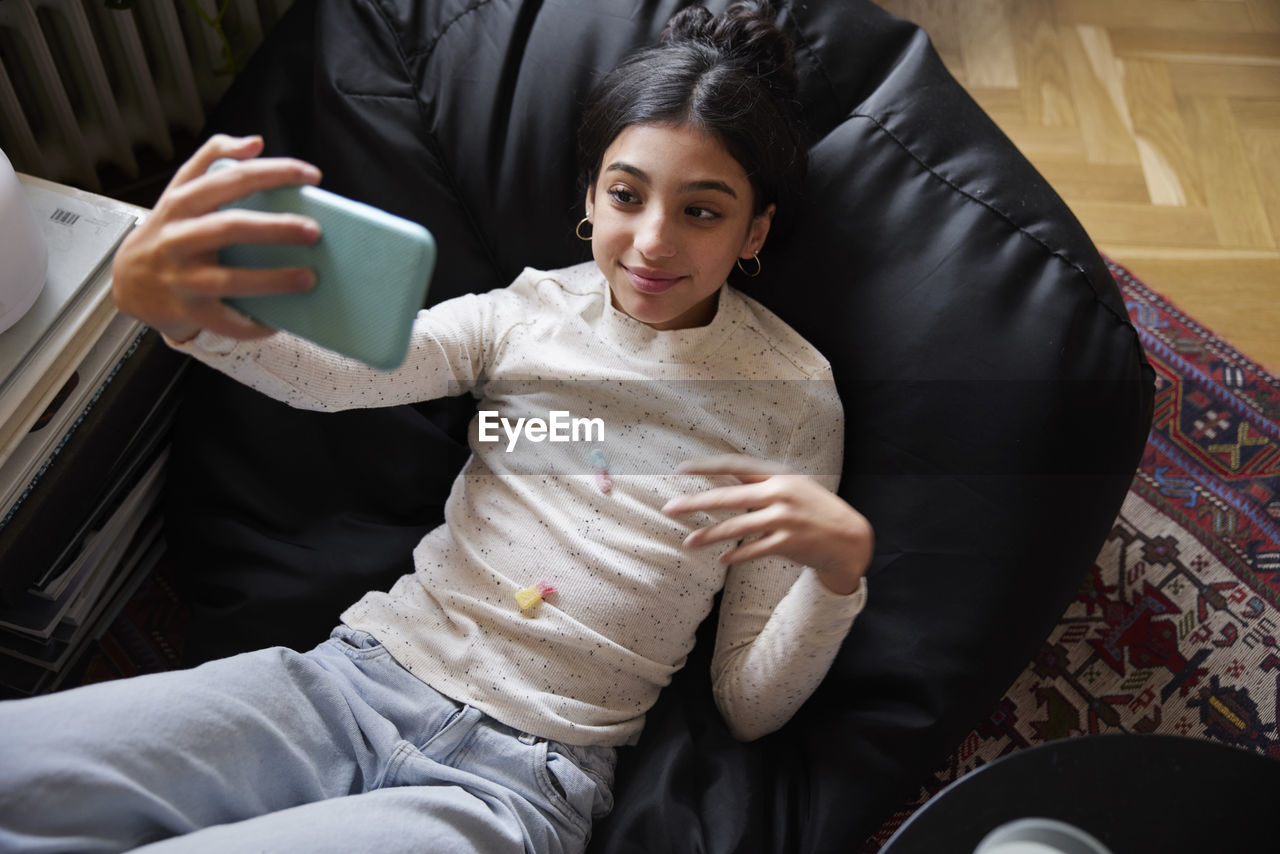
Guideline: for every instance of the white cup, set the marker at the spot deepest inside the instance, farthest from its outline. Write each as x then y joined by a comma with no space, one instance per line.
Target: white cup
1039,836
24,258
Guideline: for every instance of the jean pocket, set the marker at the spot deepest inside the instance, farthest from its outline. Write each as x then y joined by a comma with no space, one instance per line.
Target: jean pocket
585,797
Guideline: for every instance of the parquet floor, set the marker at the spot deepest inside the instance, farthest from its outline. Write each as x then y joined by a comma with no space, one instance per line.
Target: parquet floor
1158,121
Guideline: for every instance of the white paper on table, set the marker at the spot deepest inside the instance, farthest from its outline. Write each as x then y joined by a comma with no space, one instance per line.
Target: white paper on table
81,233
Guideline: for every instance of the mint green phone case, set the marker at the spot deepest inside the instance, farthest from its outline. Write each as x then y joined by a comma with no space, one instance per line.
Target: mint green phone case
372,273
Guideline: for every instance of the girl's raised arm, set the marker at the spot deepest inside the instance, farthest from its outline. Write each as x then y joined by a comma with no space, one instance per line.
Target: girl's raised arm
166,273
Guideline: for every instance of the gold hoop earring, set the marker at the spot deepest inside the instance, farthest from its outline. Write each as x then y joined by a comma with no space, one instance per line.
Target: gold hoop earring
748,273
578,229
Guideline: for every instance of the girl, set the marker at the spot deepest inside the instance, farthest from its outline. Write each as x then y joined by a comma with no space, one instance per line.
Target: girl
477,705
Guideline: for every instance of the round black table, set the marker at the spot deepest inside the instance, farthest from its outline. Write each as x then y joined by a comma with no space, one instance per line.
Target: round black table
1134,793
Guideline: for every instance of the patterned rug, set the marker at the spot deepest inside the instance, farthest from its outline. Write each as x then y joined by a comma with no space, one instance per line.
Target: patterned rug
1175,629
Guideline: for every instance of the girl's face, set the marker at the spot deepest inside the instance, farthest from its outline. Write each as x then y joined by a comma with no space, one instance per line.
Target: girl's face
671,213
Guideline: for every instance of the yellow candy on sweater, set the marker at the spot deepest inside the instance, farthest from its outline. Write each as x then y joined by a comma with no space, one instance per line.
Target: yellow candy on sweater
532,595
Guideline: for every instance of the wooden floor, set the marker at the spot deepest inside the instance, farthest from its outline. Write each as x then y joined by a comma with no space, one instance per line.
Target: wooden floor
1159,123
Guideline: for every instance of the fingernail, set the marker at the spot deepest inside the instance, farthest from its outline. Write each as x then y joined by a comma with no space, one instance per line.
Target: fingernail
304,280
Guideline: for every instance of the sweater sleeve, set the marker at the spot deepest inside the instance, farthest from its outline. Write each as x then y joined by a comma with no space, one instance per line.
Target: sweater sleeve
445,357
780,628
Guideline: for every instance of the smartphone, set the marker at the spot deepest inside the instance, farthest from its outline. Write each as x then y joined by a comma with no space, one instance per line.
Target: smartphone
372,273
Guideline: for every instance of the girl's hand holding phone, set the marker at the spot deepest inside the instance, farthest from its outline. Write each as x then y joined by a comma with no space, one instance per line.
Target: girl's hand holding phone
166,272
786,513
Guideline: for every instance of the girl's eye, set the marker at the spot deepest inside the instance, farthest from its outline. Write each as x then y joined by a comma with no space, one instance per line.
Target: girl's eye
704,214
623,196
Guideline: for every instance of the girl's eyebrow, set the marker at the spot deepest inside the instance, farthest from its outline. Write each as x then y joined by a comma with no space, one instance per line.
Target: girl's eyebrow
719,186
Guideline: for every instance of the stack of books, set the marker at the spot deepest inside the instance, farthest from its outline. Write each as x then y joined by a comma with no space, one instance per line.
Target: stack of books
86,399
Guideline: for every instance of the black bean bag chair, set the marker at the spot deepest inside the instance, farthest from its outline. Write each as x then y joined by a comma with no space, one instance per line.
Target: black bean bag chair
997,398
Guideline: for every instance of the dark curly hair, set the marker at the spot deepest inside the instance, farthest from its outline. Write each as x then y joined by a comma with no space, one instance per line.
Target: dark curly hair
732,75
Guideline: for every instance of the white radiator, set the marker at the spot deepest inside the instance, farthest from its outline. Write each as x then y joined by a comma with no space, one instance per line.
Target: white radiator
83,85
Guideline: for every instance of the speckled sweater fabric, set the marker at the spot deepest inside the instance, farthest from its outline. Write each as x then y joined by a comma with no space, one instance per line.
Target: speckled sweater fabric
580,507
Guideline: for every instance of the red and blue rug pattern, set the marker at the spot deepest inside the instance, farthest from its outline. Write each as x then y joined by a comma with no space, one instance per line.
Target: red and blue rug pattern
1176,628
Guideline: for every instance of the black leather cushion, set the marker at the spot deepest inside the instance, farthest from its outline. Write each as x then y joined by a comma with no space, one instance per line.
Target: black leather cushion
997,397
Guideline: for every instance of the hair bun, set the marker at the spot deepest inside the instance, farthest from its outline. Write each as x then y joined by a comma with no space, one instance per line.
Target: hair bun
731,75
746,29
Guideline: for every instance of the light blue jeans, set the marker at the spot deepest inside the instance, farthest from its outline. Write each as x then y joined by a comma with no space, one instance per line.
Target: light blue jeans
336,750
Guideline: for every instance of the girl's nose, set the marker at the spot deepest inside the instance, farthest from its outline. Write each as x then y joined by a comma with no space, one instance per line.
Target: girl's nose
655,237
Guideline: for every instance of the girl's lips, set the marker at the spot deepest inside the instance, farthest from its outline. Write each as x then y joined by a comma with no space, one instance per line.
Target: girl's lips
651,281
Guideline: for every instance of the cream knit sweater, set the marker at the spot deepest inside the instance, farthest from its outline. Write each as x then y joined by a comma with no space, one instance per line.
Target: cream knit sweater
583,513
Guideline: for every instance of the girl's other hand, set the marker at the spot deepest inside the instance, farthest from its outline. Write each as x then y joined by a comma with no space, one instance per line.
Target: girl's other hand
787,514
166,272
